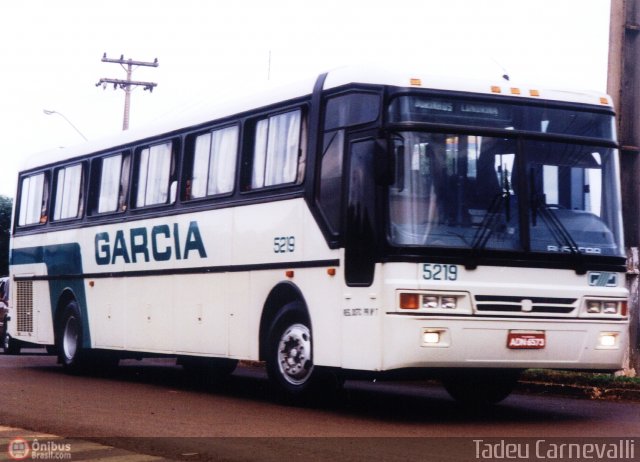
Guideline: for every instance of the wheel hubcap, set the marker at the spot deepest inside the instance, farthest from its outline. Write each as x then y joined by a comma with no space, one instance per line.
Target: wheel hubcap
70,338
294,354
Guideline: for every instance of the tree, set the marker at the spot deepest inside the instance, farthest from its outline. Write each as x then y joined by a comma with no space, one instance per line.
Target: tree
6,205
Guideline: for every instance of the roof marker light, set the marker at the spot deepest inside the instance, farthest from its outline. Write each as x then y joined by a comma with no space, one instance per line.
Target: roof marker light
496,89
515,91
416,82
604,100
534,92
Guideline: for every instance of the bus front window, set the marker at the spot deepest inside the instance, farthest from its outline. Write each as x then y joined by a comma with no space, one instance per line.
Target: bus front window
573,198
454,191
465,191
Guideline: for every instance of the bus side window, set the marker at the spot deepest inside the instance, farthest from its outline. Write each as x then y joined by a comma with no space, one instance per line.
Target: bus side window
351,109
330,186
213,163
156,171
113,183
277,152
69,198
34,200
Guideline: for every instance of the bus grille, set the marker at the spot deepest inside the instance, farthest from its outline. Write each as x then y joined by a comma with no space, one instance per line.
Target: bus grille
524,305
24,306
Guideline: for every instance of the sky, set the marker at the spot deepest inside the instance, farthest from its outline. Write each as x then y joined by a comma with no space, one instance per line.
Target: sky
208,51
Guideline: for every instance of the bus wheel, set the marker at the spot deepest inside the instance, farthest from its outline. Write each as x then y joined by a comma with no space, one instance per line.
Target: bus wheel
69,338
480,387
289,355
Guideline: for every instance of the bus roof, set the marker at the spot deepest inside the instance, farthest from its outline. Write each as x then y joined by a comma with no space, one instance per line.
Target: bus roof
432,81
271,94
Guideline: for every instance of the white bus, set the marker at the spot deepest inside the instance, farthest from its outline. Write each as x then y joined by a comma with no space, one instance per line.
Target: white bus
363,223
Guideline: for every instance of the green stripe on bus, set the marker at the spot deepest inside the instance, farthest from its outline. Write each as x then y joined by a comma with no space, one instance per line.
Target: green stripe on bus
61,259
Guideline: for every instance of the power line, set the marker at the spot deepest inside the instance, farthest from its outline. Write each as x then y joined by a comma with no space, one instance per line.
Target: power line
128,66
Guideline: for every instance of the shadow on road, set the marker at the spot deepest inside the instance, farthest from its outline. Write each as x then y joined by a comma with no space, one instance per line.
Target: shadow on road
402,402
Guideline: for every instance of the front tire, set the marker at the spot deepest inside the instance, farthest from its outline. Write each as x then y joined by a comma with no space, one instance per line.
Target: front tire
290,352
480,387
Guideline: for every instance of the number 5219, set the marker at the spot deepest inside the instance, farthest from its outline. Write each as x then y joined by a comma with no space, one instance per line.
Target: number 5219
438,272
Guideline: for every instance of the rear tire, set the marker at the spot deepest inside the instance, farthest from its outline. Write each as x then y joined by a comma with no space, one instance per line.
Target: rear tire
69,338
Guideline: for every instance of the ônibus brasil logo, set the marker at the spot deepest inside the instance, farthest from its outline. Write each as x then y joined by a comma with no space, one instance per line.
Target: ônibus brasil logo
18,449
56,449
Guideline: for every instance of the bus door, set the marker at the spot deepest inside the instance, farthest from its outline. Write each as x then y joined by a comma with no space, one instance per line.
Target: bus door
361,234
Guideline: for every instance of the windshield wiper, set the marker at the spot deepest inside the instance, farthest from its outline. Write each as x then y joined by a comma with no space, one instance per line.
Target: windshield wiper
558,230
489,224
490,220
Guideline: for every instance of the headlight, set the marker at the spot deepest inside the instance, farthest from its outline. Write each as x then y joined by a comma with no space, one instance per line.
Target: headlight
610,308
449,303
605,307
434,302
594,306
430,301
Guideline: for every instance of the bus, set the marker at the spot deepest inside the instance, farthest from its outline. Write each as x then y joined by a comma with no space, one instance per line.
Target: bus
362,223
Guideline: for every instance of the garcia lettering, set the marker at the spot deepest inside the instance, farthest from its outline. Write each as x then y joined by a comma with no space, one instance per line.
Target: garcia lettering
160,243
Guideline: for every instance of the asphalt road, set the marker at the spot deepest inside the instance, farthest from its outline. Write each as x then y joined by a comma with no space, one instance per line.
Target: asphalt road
152,407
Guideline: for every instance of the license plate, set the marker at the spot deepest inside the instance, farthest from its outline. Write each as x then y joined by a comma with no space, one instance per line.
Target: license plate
526,340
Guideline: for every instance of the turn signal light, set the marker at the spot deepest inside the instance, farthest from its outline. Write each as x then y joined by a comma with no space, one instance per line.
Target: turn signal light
409,301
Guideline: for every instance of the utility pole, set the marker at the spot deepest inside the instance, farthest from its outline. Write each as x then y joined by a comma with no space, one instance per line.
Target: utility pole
128,66
623,84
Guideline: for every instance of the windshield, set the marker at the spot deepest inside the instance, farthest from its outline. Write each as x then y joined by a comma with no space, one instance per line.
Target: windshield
474,192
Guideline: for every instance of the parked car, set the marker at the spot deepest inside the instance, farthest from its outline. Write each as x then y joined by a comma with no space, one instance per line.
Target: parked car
9,346
4,301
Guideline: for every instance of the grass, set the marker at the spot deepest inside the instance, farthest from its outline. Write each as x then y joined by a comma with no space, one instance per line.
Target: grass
585,379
